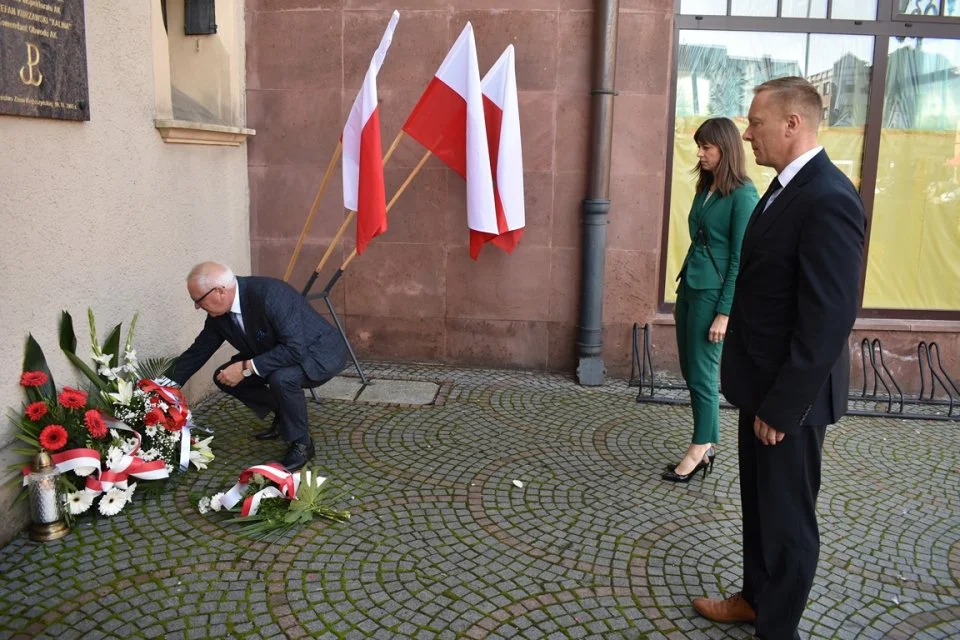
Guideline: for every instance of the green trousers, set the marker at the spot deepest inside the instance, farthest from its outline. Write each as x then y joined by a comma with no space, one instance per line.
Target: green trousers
700,359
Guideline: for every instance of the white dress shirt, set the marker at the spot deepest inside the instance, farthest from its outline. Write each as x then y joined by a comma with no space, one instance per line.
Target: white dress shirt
790,172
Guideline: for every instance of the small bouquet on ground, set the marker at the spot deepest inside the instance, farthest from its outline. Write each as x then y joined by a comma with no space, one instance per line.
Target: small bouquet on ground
124,430
273,500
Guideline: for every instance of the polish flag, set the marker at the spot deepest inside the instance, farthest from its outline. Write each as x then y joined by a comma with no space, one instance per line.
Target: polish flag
448,120
363,188
502,112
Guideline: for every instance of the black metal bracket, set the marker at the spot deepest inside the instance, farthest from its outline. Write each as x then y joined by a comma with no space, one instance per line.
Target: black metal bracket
325,296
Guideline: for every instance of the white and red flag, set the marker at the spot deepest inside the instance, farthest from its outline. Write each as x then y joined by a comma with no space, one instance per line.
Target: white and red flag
363,187
448,120
502,114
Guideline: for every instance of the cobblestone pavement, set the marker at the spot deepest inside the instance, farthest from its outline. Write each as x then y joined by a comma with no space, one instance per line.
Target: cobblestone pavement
443,544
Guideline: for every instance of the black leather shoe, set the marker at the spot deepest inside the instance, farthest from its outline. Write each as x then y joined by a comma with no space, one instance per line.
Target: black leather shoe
298,455
272,433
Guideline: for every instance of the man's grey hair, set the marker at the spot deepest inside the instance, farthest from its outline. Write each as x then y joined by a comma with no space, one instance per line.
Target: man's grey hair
208,275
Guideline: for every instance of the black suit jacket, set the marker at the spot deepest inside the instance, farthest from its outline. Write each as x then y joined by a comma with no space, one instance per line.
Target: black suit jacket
281,329
785,356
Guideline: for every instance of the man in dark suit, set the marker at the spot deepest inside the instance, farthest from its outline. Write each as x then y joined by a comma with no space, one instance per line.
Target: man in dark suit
283,345
785,361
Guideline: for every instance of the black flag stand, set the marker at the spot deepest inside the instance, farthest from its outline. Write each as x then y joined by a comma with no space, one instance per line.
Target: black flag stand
325,296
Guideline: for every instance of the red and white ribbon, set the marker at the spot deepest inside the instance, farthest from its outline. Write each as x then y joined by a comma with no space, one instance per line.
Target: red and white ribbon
117,474
287,486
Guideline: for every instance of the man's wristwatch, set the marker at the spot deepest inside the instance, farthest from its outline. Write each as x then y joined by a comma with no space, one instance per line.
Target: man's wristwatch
247,371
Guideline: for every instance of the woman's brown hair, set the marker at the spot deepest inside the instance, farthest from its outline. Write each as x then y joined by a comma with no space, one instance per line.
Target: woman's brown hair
731,172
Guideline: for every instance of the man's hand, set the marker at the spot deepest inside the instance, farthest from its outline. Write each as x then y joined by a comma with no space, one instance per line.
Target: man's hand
231,376
765,433
718,329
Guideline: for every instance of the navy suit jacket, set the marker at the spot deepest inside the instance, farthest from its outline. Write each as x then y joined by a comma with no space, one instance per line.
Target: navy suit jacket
786,357
281,329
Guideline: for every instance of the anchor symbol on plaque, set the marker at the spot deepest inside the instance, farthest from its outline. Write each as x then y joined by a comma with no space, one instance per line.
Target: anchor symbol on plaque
27,72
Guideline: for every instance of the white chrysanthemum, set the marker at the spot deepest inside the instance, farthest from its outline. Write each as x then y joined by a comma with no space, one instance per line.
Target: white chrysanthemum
114,454
174,436
168,467
83,472
204,505
79,501
149,455
113,502
215,503
150,430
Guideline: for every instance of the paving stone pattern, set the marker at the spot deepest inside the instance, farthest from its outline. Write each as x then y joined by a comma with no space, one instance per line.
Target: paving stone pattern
444,544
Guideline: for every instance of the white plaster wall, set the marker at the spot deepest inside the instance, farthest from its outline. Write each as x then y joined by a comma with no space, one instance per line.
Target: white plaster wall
105,214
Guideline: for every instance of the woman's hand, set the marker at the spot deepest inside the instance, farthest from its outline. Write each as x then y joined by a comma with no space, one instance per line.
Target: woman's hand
718,329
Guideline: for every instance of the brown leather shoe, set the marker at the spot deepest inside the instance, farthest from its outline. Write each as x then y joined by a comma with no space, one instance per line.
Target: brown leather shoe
733,609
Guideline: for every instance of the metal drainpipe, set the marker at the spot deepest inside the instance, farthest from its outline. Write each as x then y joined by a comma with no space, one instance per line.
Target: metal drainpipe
596,206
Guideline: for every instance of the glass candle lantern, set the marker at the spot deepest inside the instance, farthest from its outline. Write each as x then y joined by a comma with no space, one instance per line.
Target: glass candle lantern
45,500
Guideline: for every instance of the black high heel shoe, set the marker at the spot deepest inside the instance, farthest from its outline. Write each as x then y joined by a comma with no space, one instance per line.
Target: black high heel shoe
672,476
708,458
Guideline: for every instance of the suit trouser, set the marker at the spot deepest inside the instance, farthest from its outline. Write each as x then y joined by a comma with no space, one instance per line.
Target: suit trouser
700,359
781,542
281,392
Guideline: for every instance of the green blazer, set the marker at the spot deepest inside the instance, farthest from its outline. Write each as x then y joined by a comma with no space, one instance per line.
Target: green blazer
724,220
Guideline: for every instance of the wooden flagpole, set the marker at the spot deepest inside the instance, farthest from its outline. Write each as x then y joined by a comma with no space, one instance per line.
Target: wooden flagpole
353,214
313,210
393,200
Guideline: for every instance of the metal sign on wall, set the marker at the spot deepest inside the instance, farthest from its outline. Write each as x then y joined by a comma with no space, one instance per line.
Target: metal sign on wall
43,59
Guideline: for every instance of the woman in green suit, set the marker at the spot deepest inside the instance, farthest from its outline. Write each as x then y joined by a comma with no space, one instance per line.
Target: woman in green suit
724,202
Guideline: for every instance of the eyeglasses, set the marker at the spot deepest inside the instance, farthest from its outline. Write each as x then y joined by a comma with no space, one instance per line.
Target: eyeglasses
196,303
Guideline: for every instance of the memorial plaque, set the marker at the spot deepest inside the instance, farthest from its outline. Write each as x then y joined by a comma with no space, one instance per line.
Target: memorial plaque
43,59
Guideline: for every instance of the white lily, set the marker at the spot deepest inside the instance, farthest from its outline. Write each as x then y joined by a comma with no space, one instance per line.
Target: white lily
124,393
200,453
103,359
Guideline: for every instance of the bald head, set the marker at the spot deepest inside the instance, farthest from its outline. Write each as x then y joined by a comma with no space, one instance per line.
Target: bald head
212,287
207,275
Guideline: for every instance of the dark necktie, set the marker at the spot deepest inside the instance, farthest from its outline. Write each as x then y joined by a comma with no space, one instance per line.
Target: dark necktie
771,191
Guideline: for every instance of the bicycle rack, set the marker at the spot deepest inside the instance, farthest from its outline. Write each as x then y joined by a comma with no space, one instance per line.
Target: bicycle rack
926,405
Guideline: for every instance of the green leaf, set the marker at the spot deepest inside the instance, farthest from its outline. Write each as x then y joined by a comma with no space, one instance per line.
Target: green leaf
68,343
112,346
133,323
34,360
33,442
152,368
291,517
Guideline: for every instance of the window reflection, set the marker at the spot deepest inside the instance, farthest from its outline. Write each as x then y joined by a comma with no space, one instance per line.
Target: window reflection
915,231
854,10
804,9
704,7
716,74
766,8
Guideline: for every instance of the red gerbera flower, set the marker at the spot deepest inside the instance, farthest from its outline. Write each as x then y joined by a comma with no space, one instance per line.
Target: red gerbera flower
36,410
154,416
95,424
72,398
33,378
53,437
